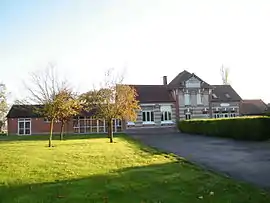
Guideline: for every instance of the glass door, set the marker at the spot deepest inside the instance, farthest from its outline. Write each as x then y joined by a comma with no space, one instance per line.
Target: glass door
24,126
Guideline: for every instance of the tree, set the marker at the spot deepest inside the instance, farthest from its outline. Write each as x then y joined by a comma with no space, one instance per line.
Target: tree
69,106
224,75
3,104
113,100
45,89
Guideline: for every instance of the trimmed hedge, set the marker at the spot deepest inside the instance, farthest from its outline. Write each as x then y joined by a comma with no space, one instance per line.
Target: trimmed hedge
241,128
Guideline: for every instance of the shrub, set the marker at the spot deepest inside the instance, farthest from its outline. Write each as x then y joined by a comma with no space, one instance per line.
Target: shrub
242,128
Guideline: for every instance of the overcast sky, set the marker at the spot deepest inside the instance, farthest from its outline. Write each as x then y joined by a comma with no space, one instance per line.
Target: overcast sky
147,38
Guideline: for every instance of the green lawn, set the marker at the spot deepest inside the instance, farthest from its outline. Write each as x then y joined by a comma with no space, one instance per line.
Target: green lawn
93,170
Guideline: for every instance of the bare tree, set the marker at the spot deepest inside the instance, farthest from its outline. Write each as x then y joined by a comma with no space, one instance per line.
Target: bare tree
113,101
3,104
44,88
225,75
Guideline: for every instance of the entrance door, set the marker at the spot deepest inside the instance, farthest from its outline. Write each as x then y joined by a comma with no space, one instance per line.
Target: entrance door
24,126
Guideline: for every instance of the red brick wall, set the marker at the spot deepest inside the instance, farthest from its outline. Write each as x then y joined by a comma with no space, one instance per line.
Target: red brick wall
38,126
12,126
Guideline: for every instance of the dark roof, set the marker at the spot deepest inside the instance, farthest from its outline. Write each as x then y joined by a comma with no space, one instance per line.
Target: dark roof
253,107
153,93
24,111
31,111
184,76
225,93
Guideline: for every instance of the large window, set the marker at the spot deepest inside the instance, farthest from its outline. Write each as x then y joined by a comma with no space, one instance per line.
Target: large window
148,116
166,116
199,98
86,125
24,126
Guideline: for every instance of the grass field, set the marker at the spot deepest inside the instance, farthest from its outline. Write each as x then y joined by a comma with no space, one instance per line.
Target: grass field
90,169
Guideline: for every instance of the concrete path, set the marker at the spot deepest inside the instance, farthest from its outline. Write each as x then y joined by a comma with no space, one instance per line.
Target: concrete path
247,161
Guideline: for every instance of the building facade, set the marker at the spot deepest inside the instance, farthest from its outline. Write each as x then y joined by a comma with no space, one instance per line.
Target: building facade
186,97
23,120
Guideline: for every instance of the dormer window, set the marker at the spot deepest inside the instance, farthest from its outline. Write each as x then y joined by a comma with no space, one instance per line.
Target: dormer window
214,96
193,83
227,95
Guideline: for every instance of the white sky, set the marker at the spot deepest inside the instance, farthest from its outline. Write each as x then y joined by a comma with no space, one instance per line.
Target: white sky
147,38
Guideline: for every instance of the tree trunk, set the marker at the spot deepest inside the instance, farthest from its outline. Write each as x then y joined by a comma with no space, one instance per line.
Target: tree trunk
110,129
62,130
51,133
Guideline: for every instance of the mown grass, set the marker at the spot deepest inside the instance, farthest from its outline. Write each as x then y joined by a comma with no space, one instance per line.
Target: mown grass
93,170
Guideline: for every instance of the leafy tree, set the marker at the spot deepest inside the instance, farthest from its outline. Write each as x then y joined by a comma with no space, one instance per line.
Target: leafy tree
69,106
3,104
113,101
45,89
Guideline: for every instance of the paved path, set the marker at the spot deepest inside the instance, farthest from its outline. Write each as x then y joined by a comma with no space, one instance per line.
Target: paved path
247,161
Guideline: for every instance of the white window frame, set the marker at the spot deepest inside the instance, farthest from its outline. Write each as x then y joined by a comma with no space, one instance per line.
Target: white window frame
24,120
167,114
148,121
88,124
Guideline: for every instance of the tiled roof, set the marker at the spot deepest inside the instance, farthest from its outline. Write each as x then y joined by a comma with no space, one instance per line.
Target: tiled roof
24,111
184,76
253,107
153,93
31,111
225,93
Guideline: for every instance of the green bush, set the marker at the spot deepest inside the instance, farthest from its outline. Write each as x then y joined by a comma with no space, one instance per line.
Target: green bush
242,128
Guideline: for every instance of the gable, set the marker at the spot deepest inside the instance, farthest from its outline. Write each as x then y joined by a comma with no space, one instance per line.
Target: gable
191,79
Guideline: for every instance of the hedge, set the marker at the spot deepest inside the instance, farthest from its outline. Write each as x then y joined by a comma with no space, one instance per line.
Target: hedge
241,128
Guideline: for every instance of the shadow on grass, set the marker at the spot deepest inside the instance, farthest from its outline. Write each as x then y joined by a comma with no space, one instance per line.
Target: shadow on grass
171,182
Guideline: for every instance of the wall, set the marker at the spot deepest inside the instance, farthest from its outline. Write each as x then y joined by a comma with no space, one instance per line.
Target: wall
157,114
235,105
195,109
38,126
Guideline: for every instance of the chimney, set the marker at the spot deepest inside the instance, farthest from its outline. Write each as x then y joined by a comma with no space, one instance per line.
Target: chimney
164,80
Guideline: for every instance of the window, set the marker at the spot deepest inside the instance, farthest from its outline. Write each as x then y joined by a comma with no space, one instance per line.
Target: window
148,116
188,116
187,99
199,98
193,83
166,116
24,126
233,115
214,96
228,96
205,111
88,125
